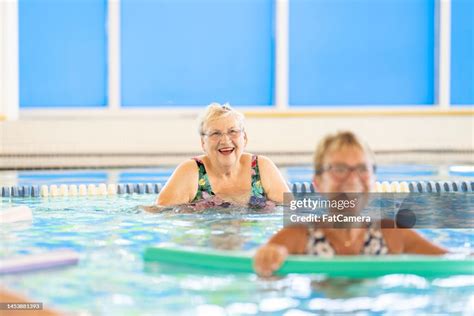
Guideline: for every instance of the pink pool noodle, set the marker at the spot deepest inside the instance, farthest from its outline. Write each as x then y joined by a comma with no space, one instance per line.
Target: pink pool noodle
51,259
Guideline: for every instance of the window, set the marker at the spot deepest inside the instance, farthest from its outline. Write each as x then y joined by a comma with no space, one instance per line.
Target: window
62,53
462,52
186,52
362,52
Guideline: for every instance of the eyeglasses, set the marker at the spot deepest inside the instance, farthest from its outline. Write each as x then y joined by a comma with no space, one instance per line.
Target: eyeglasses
342,171
217,135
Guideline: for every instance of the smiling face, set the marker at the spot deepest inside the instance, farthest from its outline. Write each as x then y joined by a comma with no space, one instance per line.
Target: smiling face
347,169
224,140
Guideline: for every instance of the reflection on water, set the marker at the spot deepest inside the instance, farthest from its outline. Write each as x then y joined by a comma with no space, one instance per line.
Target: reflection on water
111,279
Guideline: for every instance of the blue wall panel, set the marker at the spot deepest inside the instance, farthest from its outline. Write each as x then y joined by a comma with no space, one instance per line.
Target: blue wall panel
62,53
462,52
186,52
361,52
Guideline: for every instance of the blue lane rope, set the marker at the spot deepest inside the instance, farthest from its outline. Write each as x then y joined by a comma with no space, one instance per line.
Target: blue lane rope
155,188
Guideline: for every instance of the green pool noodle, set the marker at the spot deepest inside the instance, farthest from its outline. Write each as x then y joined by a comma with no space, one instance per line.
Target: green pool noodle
358,266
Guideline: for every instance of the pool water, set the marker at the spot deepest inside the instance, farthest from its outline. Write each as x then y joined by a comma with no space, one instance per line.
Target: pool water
111,233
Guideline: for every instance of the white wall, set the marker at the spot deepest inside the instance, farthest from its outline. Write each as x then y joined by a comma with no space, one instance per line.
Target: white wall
271,135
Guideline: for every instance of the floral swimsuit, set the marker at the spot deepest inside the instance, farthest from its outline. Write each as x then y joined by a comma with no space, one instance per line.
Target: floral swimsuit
205,197
374,243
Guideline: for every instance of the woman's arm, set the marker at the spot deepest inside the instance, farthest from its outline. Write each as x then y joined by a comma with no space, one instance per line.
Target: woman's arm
181,187
404,240
417,244
289,240
273,182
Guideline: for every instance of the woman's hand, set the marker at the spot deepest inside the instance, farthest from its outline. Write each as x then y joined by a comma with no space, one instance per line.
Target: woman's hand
269,258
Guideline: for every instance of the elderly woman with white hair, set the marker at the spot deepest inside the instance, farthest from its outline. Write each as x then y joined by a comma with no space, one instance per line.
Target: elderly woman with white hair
224,174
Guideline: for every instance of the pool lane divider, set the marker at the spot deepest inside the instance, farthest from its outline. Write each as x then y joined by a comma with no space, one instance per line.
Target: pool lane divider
359,266
103,189
33,262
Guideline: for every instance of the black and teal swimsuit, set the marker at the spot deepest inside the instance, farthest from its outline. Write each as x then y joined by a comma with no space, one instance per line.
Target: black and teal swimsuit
374,243
257,196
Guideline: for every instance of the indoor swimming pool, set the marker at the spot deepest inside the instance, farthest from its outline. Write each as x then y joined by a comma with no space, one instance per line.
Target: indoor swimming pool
111,234
319,157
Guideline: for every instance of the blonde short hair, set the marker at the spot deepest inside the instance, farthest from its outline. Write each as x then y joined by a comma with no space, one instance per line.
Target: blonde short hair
215,111
335,142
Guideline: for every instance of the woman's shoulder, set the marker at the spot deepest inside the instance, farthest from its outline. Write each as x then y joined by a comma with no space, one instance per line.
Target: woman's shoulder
181,186
187,166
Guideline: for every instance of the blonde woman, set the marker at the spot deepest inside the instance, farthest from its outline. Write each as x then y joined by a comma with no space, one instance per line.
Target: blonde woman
225,173
343,163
